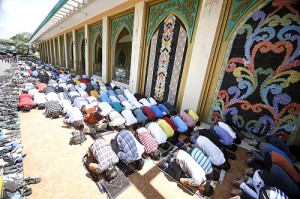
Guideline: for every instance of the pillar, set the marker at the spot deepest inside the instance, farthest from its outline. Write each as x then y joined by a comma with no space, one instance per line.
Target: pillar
66,50
74,51
204,38
59,53
105,53
87,47
137,42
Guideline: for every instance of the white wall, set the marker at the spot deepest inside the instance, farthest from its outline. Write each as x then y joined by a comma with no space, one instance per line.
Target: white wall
136,53
204,38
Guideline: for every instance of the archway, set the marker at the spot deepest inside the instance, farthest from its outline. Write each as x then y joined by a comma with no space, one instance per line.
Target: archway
97,62
122,57
82,57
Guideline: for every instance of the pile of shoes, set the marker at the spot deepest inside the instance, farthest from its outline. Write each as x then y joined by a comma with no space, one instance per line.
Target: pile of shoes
11,157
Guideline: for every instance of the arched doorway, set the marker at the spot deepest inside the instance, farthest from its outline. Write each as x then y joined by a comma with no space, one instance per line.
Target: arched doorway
97,62
82,57
71,53
166,57
122,57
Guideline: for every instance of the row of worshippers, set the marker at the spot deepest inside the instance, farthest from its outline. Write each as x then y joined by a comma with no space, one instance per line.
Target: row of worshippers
271,172
153,124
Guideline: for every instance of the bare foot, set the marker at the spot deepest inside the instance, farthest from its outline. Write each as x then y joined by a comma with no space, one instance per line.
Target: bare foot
236,192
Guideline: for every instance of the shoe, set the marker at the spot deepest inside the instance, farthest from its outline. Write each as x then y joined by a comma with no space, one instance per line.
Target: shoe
230,156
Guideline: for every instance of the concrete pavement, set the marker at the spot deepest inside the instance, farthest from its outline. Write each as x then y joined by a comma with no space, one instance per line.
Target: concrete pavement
3,67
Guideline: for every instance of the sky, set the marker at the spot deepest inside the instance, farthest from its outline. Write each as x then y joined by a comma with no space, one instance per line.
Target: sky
17,16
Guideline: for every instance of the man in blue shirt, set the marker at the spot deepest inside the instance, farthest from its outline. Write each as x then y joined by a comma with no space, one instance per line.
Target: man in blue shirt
130,150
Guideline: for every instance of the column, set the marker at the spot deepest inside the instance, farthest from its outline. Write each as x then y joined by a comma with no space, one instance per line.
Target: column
54,51
105,48
74,50
48,52
66,50
137,42
204,38
87,47
51,52
59,53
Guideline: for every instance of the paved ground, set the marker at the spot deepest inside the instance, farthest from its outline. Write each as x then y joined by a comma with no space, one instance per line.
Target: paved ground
3,67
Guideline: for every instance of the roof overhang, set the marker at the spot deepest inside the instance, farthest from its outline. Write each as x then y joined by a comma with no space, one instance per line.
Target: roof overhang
67,14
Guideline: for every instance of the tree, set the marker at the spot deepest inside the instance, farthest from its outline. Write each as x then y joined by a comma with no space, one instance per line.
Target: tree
20,41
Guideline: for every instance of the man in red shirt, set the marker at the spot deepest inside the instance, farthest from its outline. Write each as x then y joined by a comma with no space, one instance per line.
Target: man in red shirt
25,101
149,113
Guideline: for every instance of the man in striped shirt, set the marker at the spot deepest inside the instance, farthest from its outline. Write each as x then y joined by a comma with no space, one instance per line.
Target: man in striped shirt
53,109
203,161
148,141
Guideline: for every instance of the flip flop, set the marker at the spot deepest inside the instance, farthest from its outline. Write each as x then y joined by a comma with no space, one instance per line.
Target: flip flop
32,180
26,191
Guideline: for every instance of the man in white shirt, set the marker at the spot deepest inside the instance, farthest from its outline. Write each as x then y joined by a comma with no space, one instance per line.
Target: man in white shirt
74,119
215,155
152,101
105,108
129,95
52,96
84,94
80,102
129,117
93,101
145,102
157,132
39,100
116,119
127,105
196,174
114,98
136,104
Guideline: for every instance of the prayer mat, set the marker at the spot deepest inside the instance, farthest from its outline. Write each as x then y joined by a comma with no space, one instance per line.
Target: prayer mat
165,153
97,135
171,173
116,186
94,176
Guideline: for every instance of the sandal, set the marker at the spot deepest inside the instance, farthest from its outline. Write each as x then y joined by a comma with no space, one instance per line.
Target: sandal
26,191
32,180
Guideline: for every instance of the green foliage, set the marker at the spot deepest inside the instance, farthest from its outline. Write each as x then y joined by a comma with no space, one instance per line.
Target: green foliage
20,41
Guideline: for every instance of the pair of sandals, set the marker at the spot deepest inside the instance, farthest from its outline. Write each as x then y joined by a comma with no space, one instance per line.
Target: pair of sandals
26,191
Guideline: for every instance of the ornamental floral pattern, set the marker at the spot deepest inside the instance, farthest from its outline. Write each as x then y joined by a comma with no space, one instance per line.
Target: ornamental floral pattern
258,87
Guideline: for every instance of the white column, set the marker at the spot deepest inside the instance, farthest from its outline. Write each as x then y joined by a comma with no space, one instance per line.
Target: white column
49,52
66,50
87,47
105,44
137,42
59,53
54,52
74,49
204,38
51,56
